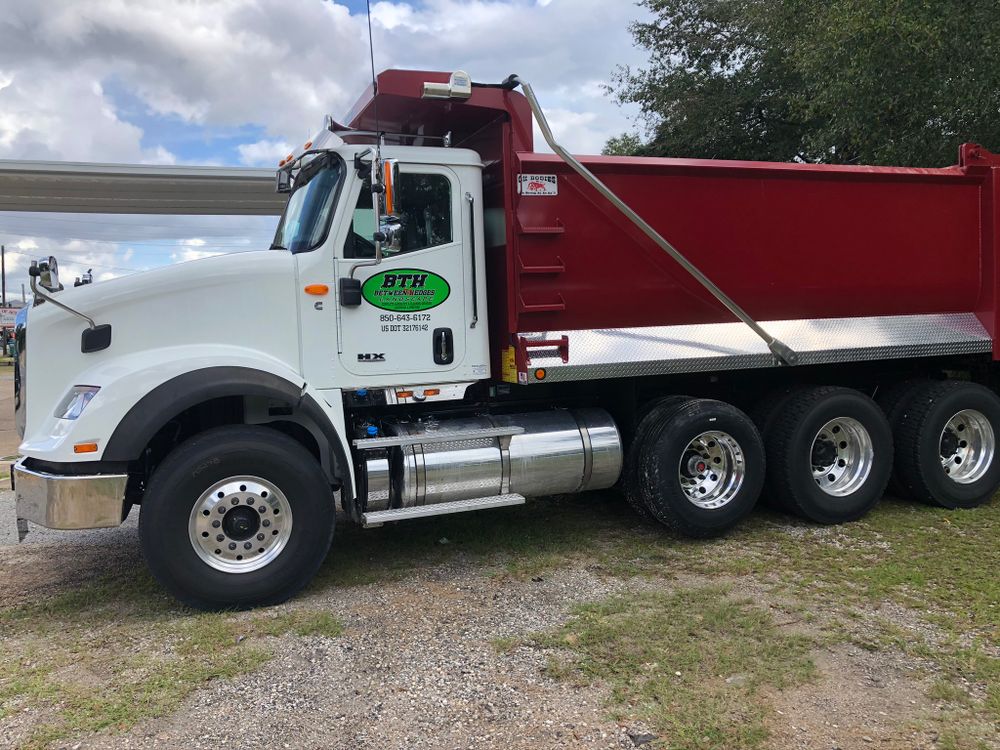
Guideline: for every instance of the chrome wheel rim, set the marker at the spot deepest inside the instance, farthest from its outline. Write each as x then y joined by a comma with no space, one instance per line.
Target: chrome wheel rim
240,524
712,469
967,446
842,455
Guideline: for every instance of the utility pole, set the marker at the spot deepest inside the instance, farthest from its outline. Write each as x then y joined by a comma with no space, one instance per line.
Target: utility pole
24,297
3,274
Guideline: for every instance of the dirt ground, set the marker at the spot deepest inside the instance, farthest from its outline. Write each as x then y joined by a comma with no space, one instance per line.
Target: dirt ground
418,662
457,633
9,439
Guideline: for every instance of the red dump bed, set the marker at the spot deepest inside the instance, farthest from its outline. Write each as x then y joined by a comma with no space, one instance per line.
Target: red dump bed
785,241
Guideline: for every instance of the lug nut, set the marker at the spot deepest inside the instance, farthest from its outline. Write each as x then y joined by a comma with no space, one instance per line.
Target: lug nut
266,523
220,538
250,501
260,537
235,501
247,545
216,524
232,545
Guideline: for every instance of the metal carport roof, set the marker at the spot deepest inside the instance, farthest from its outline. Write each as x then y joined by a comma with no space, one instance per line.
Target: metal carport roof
78,187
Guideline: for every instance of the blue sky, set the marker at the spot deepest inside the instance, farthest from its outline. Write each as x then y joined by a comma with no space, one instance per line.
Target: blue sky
236,82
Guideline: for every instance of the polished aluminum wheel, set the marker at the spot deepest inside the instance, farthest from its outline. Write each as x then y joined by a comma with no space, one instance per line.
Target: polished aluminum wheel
712,470
967,445
842,455
240,524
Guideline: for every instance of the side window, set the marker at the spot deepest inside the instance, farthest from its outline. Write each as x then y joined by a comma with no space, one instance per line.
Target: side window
423,218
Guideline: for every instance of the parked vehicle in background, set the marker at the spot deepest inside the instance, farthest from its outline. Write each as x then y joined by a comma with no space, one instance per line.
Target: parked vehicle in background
451,321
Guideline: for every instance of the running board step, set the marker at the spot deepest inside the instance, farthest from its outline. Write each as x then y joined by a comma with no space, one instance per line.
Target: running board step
371,520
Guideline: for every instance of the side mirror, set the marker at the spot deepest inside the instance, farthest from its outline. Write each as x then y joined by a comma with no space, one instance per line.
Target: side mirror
48,274
283,181
350,292
389,197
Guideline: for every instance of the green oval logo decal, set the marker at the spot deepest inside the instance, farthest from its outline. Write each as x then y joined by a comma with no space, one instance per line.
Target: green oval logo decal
405,290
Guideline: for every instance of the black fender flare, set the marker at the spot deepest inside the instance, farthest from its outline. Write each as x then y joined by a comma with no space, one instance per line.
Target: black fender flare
169,399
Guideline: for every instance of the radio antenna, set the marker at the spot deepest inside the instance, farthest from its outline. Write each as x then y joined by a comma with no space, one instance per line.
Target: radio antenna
371,50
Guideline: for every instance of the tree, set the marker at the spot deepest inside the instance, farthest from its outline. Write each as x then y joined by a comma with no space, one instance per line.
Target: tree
841,81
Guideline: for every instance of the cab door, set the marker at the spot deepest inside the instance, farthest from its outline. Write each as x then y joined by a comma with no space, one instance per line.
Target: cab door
414,316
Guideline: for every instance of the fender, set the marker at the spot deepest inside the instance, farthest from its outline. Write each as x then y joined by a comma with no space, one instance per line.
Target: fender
172,397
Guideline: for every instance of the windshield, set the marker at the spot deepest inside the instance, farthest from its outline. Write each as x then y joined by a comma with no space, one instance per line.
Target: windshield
307,216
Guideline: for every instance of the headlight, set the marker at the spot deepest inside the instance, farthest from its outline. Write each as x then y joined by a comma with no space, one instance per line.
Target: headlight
76,401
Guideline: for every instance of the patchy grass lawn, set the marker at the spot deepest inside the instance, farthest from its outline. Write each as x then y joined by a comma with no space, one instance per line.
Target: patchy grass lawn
114,652
910,580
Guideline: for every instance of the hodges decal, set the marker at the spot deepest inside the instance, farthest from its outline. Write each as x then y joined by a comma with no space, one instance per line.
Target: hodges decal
405,290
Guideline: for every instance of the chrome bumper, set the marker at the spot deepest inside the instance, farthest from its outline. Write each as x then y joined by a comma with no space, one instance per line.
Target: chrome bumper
62,501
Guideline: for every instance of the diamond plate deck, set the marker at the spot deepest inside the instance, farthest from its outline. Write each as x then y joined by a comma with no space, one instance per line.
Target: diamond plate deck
662,350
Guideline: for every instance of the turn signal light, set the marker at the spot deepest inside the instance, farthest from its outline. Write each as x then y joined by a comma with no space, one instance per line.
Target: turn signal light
317,289
431,392
404,394
308,144
85,448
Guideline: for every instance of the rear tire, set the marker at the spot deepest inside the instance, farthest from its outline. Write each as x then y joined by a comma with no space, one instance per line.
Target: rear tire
894,400
763,415
630,471
829,454
946,445
236,517
700,467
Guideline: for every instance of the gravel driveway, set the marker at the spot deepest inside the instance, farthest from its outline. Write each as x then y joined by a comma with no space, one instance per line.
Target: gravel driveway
436,647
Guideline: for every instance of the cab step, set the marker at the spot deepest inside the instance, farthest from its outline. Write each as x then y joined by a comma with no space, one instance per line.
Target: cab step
373,520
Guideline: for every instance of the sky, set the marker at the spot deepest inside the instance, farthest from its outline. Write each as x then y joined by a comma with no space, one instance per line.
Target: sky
235,82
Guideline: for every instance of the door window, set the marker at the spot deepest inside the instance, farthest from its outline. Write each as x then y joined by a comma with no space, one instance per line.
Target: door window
422,220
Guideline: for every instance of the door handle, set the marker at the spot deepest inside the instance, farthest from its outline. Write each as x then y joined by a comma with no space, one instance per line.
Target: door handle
444,346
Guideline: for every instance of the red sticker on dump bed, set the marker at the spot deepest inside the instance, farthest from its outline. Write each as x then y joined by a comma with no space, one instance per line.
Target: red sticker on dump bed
537,184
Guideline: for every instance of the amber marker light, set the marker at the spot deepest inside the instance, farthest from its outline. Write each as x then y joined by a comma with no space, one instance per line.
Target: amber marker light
85,448
308,144
432,392
317,290
404,394
540,374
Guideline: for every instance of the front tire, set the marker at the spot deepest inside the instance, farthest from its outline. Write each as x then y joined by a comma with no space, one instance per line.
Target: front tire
236,517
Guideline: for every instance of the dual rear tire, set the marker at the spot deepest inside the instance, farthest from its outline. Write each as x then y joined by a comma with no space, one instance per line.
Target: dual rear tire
698,466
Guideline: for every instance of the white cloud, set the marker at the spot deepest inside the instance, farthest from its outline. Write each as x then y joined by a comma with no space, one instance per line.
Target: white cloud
277,65
282,65
263,153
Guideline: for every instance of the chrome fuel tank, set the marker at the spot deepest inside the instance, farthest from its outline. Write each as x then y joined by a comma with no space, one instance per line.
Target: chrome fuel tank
559,451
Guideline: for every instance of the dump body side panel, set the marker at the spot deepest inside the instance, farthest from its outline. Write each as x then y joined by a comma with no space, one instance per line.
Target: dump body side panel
785,241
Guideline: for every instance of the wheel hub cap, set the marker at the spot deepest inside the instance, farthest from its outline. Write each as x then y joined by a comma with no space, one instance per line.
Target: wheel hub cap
712,470
240,524
842,456
967,446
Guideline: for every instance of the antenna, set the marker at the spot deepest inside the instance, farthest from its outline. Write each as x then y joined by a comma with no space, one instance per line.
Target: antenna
371,51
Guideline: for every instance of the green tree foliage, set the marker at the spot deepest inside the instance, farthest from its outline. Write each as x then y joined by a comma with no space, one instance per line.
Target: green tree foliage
841,81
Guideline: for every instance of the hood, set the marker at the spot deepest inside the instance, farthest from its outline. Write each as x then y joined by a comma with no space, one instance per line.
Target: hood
243,300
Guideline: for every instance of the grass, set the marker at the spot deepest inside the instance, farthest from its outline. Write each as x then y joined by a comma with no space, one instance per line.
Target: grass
692,663
144,654
114,652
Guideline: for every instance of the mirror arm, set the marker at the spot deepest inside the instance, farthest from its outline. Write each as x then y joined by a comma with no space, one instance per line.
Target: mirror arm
39,293
377,189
